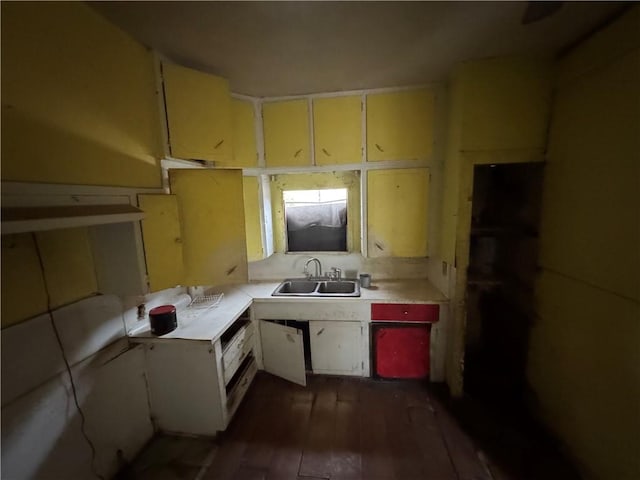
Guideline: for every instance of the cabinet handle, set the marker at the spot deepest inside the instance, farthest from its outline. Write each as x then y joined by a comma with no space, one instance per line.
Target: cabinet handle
219,143
178,240
244,382
295,155
324,150
379,147
320,331
406,312
290,338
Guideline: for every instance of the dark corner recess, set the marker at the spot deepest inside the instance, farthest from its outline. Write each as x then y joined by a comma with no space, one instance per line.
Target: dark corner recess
501,275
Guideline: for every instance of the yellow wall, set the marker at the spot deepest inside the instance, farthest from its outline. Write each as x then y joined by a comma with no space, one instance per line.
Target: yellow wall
69,272
311,181
506,103
584,359
78,99
498,113
451,177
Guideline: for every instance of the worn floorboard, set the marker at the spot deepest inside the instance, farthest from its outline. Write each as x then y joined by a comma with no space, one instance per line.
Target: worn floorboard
375,449
346,429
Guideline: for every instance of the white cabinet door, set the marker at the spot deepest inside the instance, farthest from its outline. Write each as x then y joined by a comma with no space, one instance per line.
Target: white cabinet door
184,386
336,347
283,352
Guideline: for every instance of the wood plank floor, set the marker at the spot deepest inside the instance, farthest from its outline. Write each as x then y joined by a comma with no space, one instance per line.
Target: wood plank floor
343,429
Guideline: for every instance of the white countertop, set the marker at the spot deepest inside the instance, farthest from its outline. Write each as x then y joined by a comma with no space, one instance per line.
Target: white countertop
389,291
208,325
205,325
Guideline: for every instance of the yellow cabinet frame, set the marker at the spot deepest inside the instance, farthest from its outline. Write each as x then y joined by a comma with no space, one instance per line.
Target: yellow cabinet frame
198,114
398,201
337,127
211,208
286,133
400,125
162,240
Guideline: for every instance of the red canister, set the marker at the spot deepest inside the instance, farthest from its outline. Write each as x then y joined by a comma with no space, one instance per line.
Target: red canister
163,319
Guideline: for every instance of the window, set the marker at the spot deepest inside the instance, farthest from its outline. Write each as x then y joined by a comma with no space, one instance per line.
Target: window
316,220
324,182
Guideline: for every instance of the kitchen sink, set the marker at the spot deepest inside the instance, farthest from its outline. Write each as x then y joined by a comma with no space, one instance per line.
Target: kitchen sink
297,287
337,287
293,287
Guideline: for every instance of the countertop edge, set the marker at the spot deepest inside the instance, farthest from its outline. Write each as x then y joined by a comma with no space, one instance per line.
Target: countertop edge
260,292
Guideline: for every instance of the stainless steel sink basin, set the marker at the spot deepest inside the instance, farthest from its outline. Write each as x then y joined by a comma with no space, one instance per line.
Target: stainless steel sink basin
339,286
297,287
294,287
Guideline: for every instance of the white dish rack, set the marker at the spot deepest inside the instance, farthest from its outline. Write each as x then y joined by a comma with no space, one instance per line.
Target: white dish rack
199,305
205,302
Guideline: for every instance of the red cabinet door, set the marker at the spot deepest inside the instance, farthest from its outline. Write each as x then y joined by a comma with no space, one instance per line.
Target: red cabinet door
401,351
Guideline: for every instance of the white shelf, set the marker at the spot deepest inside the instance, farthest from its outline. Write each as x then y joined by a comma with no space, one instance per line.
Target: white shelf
34,219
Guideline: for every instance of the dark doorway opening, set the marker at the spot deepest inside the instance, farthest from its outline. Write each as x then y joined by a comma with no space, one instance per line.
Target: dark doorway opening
501,275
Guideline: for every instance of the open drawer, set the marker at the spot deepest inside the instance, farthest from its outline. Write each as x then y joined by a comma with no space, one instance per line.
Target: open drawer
231,362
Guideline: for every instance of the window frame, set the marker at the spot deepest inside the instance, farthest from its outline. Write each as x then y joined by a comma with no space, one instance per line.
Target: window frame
349,179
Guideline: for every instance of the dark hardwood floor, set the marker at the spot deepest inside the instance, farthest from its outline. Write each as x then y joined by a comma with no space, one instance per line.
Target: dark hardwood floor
359,429
353,428
344,429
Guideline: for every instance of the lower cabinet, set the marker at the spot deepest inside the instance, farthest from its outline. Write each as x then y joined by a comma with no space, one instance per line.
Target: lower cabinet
290,348
336,347
195,386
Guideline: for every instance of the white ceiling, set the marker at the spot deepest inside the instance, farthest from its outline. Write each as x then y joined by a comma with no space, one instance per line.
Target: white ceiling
286,48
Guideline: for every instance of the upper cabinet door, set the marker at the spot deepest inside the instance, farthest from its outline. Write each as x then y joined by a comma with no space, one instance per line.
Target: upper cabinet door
211,209
162,240
400,125
397,212
337,127
286,133
245,153
252,217
198,113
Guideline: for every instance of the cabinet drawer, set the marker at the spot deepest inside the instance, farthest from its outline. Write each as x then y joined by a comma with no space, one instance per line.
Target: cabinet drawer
404,312
231,365
241,385
236,343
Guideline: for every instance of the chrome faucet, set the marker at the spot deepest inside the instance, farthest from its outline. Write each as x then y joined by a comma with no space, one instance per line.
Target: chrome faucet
318,268
334,274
